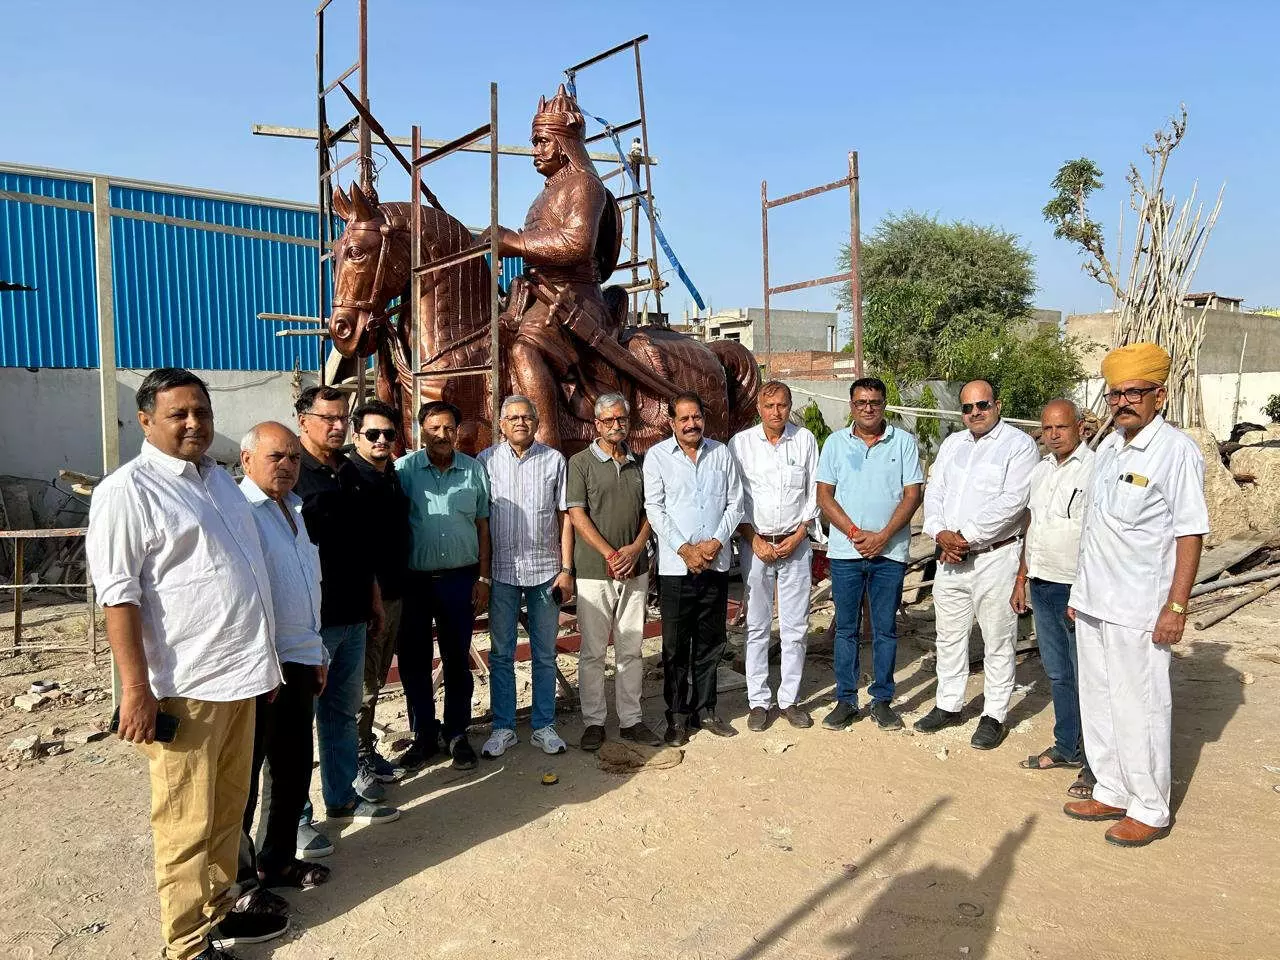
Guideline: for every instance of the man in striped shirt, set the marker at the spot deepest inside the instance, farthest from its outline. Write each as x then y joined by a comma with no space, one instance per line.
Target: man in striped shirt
533,564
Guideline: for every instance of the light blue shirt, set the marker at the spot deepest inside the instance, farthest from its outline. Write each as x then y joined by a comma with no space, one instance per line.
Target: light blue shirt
869,483
689,502
293,566
443,509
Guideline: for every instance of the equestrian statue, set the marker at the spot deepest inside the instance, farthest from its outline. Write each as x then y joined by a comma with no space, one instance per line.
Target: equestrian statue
563,340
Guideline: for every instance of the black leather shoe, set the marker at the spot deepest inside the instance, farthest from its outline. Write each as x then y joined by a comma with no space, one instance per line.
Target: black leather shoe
936,719
418,754
592,738
713,724
758,719
640,733
841,717
677,734
989,735
464,755
885,716
798,717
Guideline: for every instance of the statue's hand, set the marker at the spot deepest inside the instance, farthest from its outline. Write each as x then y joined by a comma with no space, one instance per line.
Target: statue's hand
506,239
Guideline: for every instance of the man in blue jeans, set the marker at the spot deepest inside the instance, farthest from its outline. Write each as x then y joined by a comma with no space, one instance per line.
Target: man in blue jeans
1059,488
334,513
869,485
532,562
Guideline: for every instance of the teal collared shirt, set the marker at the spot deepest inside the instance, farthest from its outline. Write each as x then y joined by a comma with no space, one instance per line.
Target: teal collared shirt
869,482
443,509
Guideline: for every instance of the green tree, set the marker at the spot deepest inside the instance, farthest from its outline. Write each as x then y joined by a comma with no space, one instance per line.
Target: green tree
1068,211
815,423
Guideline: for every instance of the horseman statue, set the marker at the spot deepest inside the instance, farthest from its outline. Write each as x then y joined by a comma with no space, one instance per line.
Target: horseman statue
564,340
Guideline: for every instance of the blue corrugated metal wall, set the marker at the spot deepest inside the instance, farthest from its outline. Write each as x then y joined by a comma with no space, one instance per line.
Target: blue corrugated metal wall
185,295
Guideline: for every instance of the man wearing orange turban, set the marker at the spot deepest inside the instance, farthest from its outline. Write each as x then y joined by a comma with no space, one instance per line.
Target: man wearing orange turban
1139,550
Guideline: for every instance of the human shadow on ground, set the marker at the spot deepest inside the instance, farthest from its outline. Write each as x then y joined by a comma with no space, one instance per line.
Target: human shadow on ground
1207,692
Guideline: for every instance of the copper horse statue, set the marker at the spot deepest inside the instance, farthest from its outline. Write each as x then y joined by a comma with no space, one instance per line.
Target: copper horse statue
372,267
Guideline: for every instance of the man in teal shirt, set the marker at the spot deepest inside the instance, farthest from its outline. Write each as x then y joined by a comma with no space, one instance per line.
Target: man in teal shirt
869,485
447,583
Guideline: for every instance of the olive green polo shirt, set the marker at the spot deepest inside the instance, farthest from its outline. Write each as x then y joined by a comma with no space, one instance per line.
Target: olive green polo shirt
613,495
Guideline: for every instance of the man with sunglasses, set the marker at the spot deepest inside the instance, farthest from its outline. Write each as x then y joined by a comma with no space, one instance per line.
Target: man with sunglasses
374,426
1139,550
974,505
350,607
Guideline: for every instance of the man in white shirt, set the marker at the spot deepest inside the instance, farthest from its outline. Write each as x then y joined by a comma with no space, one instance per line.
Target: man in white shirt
1139,551
1059,489
532,564
178,566
693,497
271,457
973,509
778,462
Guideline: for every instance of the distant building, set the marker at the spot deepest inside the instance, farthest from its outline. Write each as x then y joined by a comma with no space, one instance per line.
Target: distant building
790,330
1214,301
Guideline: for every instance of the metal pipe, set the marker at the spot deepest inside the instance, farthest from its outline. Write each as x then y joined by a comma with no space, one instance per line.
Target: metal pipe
495,265
648,177
17,593
811,192
323,208
634,42
415,279
764,241
805,284
366,140
855,260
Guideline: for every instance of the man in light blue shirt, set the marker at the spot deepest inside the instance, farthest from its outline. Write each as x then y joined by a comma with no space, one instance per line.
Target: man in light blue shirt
869,485
694,501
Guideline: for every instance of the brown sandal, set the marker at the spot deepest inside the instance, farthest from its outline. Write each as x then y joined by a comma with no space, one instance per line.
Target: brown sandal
297,874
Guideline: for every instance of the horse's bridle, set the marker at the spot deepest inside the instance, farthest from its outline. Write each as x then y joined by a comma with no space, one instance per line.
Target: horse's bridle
385,230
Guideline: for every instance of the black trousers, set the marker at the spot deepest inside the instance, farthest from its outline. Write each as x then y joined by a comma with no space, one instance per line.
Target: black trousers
695,612
282,743
442,599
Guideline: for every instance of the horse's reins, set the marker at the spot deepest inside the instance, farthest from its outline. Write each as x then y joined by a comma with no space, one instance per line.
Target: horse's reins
385,230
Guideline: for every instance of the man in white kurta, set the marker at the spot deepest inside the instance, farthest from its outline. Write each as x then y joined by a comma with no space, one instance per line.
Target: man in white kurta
778,462
973,507
1139,550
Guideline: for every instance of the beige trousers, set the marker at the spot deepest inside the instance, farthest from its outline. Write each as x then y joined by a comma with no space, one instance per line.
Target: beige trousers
611,607
199,788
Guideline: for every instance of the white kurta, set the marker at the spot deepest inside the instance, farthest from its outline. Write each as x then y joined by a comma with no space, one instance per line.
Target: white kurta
1144,495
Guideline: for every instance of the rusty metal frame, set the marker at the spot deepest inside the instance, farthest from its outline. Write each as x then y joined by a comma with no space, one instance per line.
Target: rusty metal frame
19,537
855,257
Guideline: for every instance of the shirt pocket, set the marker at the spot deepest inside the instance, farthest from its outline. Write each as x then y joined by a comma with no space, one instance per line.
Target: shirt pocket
460,501
793,478
1127,502
988,478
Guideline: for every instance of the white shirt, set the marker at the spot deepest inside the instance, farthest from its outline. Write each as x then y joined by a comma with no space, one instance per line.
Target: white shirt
779,480
1059,492
689,502
525,494
1145,494
179,542
979,485
293,565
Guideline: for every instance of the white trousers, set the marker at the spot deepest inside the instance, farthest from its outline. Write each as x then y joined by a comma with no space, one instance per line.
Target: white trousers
1126,711
611,607
791,578
978,588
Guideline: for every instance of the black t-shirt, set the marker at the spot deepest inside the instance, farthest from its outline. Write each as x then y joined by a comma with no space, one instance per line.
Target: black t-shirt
333,508
388,536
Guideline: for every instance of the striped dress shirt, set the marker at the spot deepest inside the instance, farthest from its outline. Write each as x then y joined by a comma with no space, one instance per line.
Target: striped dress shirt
526,494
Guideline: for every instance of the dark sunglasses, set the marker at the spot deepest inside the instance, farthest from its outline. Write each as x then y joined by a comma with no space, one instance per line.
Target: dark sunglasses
374,435
967,408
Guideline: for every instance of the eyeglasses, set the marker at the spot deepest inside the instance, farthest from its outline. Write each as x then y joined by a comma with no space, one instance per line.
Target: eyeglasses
1132,395
968,408
329,418
521,418
373,436
868,404
613,421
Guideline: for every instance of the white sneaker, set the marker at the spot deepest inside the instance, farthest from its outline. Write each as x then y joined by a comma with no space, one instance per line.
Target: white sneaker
548,740
499,742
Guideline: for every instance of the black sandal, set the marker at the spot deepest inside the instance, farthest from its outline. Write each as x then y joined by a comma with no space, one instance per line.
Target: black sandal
1082,789
1056,760
298,874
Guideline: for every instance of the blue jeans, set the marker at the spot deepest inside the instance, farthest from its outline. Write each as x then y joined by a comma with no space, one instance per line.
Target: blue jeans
336,712
881,579
1056,638
544,622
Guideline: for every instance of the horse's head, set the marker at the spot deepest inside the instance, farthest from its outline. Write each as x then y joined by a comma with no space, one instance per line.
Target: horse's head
370,267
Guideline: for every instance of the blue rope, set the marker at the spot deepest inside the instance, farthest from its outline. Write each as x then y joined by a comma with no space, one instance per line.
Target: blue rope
644,202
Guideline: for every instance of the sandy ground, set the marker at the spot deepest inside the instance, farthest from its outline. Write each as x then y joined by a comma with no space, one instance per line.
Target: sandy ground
788,843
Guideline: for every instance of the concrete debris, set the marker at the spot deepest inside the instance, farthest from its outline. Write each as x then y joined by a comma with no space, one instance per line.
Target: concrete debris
81,737
1262,497
942,754
25,743
1228,509
29,701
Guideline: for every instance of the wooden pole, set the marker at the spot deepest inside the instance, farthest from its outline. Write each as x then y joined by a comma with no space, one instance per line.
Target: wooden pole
855,260
1203,623
106,324
764,242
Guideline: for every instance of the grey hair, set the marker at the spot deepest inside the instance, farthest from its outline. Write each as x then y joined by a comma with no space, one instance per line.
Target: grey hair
518,398
249,442
1074,407
611,400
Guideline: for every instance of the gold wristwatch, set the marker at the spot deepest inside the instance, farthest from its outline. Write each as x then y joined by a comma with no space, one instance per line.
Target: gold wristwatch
1177,607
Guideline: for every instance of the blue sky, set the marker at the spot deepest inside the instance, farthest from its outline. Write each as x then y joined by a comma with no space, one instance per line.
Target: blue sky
962,110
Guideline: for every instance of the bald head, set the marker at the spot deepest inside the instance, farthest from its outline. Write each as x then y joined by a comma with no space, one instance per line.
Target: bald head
1060,427
271,457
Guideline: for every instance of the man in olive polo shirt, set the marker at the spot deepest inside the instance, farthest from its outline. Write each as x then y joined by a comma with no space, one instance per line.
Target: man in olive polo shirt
447,582
605,497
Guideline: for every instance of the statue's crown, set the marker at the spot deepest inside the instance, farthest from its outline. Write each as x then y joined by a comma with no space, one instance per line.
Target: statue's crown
560,111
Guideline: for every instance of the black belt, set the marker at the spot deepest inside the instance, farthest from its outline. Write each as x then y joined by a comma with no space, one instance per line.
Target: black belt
451,571
974,551
774,538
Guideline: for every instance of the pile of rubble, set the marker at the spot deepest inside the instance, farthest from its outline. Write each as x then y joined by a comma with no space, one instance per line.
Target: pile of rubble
1241,481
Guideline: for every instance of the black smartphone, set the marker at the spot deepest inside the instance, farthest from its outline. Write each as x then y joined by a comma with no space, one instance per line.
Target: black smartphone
166,726
558,596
